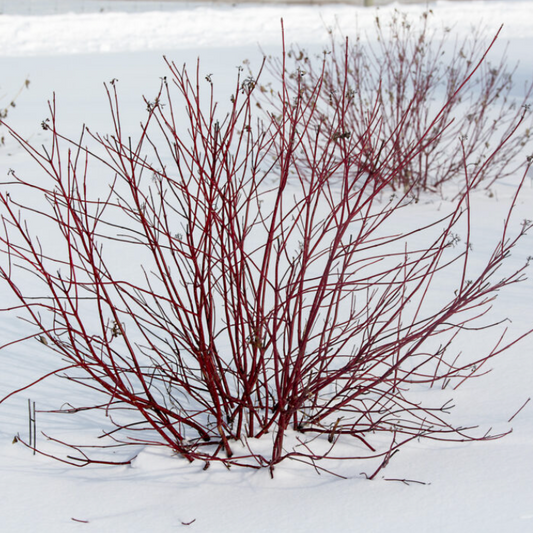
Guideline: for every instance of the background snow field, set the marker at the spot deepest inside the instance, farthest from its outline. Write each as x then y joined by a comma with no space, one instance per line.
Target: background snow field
71,48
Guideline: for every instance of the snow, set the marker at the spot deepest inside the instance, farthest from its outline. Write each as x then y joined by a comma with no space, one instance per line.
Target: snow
202,26
71,47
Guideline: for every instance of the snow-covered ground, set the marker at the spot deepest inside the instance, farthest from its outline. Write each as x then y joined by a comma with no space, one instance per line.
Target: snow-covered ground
71,47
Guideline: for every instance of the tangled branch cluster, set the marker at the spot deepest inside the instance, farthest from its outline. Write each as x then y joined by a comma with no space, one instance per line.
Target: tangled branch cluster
238,279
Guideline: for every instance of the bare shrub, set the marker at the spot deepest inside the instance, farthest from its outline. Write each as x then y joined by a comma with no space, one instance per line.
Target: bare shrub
5,111
221,288
411,73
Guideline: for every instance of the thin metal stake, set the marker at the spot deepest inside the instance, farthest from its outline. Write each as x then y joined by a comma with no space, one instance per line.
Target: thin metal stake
34,430
32,426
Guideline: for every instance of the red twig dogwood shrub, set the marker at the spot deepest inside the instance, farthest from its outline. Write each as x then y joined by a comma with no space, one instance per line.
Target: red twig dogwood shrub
408,72
221,290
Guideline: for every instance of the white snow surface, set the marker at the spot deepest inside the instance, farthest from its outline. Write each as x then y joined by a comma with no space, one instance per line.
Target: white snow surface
121,28
71,47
